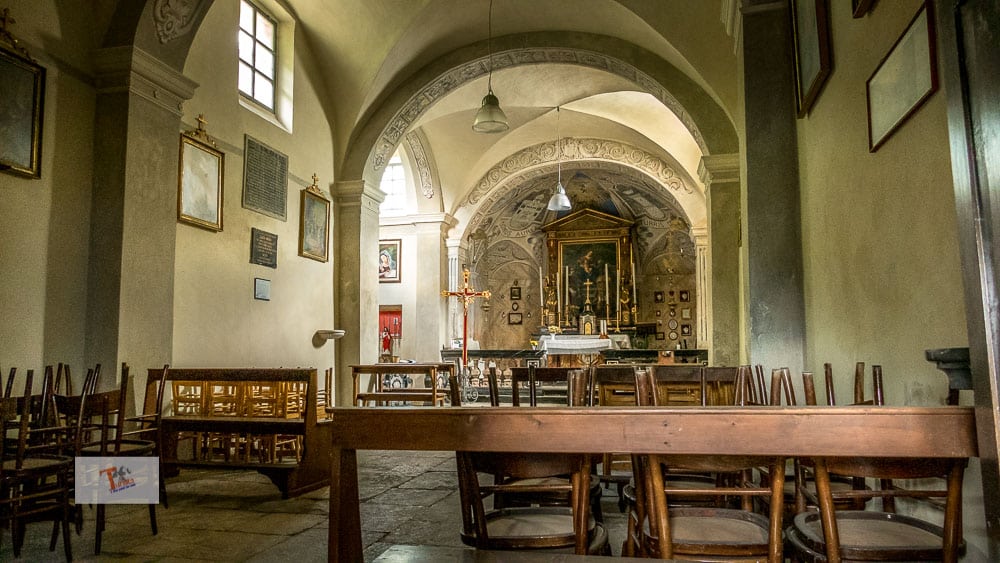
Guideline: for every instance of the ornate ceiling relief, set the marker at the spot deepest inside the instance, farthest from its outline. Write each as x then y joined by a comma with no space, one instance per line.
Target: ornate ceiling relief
173,18
430,93
425,177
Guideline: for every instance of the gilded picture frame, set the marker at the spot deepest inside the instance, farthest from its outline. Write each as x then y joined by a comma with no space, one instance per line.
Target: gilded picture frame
314,225
389,268
904,79
200,182
22,89
813,59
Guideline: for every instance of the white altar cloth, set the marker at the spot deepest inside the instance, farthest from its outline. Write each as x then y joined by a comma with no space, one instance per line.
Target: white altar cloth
574,344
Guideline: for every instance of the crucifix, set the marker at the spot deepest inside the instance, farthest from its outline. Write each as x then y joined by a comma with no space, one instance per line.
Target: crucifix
467,294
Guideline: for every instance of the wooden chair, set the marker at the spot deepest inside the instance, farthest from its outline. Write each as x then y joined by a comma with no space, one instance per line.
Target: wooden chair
832,535
36,485
565,528
551,491
105,413
667,530
146,426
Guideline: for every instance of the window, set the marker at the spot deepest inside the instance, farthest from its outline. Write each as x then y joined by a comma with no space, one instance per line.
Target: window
258,46
393,184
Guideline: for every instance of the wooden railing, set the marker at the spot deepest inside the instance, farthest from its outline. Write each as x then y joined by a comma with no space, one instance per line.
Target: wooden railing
788,431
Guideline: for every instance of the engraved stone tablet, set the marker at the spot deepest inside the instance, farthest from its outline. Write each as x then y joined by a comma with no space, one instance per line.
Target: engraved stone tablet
263,248
265,179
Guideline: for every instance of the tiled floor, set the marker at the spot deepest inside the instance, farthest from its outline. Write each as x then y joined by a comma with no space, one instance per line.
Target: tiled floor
407,498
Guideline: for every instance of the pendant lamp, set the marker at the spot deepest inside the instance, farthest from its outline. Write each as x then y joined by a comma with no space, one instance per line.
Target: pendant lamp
490,118
559,200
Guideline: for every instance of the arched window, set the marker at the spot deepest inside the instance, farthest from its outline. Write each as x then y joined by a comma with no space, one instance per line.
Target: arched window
394,186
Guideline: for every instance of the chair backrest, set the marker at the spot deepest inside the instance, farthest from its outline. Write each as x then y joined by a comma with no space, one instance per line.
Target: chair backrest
9,386
533,376
718,385
515,470
951,470
654,490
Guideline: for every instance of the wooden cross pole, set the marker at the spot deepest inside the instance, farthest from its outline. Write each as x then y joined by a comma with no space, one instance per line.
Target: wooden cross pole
467,295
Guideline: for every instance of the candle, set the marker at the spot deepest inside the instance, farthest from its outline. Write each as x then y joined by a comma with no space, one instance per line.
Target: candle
558,296
635,296
606,294
567,290
541,287
618,292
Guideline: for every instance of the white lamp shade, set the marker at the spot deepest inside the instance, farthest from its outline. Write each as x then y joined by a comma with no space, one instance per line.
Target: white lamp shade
559,200
490,118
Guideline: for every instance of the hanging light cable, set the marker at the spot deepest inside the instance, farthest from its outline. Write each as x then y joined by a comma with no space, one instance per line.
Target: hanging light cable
559,200
490,118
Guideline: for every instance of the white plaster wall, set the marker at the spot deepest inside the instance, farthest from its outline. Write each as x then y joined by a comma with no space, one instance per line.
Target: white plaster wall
44,223
882,269
217,320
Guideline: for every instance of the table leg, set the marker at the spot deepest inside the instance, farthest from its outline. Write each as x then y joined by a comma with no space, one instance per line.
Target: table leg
344,543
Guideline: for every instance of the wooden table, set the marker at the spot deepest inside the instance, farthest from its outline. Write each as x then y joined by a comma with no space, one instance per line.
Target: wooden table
789,431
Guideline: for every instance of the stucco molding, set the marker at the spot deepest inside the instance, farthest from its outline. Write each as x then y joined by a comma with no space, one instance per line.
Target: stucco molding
455,77
130,69
426,179
174,19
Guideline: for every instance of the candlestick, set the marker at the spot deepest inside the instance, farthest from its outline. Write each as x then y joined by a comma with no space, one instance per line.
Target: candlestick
618,293
566,280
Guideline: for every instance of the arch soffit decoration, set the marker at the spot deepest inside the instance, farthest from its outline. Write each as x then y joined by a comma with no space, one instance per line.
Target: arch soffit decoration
542,159
384,126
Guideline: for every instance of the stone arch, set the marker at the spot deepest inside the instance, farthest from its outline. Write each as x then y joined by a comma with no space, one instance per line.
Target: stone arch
384,125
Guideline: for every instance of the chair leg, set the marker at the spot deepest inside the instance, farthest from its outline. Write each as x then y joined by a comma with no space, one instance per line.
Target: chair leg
98,529
152,518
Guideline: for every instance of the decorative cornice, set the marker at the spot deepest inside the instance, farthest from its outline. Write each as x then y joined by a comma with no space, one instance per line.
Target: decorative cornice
456,77
130,69
579,149
422,164
717,168
419,219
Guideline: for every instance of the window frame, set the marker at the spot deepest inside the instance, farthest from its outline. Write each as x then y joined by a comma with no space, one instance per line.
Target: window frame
254,69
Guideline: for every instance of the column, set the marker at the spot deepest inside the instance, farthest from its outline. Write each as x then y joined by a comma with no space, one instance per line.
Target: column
772,249
355,280
721,176
133,226
702,289
427,325
454,274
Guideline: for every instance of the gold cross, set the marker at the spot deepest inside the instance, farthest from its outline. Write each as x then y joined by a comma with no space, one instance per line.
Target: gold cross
467,295
201,122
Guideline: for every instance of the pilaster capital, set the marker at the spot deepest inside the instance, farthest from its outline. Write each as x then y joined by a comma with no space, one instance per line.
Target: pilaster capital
700,236
716,168
130,69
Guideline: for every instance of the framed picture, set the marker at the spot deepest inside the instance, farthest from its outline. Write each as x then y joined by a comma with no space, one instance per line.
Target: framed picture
388,261
903,80
583,261
22,90
658,297
514,319
658,312
685,295
661,336
314,225
685,330
685,313
261,289
515,292
673,335
515,306
199,194
861,7
811,33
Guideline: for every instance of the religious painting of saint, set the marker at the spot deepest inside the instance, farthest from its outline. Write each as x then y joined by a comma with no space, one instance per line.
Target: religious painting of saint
22,93
388,261
589,269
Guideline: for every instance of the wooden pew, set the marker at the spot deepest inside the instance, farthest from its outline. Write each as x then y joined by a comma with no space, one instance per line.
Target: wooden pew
788,431
294,476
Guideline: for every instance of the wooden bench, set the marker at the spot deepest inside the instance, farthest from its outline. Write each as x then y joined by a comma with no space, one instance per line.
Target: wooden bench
241,422
380,395
912,432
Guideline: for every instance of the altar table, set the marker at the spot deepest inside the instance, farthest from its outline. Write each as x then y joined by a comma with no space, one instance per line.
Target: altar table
789,431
